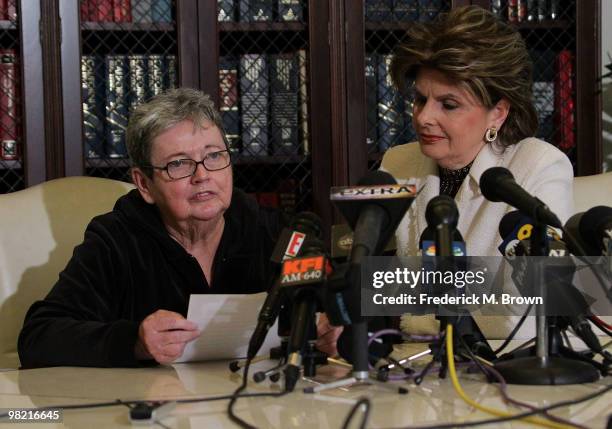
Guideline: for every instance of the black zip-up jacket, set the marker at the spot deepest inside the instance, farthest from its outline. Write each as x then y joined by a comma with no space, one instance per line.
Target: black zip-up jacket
128,267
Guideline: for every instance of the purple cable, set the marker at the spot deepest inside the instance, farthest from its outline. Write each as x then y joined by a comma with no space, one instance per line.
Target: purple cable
420,338
503,391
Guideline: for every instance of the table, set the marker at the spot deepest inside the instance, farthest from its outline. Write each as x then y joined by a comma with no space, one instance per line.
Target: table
434,401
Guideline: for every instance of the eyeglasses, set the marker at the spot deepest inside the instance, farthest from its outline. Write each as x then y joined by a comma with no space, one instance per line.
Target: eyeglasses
181,168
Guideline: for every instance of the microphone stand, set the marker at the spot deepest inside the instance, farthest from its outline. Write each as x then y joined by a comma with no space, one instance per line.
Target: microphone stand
360,375
544,368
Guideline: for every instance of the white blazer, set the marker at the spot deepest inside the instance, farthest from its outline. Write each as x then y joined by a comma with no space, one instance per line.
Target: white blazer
540,168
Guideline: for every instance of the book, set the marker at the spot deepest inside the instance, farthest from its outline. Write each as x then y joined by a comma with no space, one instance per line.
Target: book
542,10
255,10
161,11
92,98
408,133
101,10
378,10
85,8
171,66
156,76
116,105
497,8
290,10
564,101
303,99
226,10
141,11
405,10
389,109
284,103
287,195
137,75
9,105
513,10
254,87
555,9
228,101
532,10
371,106
122,11
11,10
268,199
543,91
522,10
430,9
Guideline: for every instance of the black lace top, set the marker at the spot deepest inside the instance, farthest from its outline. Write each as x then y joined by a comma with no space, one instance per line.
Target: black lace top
451,180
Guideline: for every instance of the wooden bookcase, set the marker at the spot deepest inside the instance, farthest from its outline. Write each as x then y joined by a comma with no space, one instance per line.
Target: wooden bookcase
336,37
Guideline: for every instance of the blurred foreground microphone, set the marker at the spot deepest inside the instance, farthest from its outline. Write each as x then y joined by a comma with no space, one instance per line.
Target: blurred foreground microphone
596,229
515,230
498,184
303,278
374,208
289,243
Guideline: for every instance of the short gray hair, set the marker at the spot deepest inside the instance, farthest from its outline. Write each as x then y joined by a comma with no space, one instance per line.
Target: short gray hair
162,112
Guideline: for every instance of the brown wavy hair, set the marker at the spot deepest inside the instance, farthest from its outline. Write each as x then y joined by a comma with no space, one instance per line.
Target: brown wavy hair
472,47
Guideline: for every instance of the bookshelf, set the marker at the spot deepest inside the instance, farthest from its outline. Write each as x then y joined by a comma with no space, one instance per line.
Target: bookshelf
565,91
334,40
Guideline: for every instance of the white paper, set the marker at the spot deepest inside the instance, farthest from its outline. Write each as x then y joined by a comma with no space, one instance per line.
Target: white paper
226,323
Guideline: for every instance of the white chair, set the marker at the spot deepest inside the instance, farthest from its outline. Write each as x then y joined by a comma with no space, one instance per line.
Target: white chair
39,228
591,191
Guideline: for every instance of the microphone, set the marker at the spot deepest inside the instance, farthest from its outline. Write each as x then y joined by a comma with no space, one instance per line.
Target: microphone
515,230
303,277
574,239
596,229
498,184
374,208
304,225
516,243
442,216
342,242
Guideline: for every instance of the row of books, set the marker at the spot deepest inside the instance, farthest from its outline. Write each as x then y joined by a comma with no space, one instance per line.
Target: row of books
284,197
259,10
111,86
388,113
527,10
403,10
138,11
264,103
8,10
9,105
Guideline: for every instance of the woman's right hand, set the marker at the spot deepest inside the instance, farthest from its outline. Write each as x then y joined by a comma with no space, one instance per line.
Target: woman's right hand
163,336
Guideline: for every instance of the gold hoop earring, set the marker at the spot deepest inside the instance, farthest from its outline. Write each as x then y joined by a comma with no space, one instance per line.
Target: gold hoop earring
491,134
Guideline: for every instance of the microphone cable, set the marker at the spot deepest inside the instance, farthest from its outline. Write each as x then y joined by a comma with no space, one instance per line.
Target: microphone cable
237,394
455,380
514,331
600,323
488,370
367,405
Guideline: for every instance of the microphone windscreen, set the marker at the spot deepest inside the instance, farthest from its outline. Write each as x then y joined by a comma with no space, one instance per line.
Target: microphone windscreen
593,222
490,181
509,222
377,177
309,222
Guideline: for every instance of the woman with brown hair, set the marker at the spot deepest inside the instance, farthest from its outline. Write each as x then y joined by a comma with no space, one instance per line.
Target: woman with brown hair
470,76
